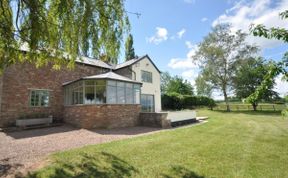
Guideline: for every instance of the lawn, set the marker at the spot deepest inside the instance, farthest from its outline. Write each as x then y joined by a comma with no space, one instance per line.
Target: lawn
236,144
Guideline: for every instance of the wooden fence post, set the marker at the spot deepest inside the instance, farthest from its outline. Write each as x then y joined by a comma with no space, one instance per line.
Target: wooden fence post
273,107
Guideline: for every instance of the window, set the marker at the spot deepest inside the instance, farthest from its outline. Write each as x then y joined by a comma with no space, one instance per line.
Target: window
147,103
146,76
101,92
136,94
111,92
120,92
39,98
77,93
129,93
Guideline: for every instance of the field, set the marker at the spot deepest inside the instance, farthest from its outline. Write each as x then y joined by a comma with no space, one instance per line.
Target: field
235,144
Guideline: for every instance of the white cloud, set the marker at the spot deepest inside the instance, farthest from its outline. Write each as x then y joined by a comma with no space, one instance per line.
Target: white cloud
160,36
185,63
244,13
190,1
190,75
204,19
281,86
189,44
181,33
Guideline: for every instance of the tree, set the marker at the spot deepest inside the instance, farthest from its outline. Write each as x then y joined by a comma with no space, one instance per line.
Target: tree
274,69
248,76
175,84
129,49
165,80
218,53
54,30
180,86
203,88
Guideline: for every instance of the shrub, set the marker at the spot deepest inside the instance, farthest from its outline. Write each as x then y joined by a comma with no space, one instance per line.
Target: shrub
176,101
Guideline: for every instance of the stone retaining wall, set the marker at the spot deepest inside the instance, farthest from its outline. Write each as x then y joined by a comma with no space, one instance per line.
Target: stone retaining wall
154,120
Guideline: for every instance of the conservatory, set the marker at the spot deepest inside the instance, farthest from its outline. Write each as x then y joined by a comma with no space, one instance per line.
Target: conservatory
108,88
102,101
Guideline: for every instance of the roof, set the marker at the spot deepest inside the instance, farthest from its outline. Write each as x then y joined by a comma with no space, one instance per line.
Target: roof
133,61
99,63
94,62
109,75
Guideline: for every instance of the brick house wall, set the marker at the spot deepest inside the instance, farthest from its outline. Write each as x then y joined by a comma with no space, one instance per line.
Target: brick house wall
102,116
17,81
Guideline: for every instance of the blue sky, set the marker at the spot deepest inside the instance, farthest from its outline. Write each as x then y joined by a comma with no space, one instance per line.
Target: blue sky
169,30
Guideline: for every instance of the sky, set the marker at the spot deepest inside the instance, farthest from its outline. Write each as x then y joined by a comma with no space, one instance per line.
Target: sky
169,30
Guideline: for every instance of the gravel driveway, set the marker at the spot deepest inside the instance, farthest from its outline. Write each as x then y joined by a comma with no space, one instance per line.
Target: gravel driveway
23,149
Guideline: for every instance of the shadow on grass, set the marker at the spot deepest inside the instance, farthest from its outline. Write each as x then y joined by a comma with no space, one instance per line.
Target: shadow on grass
100,164
181,172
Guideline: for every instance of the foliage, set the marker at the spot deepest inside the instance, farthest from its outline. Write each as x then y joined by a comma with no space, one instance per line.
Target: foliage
275,69
175,84
218,54
176,101
203,87
129,49
248,76
274,32
50,30
165,79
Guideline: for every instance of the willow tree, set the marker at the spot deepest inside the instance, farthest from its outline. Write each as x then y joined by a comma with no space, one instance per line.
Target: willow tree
57,30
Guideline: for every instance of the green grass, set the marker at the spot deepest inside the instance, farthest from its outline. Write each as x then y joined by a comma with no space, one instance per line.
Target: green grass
236,144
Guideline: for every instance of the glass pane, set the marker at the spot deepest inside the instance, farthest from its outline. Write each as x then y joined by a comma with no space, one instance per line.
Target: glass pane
120,84
111,83
89,95
100,82
44,98
120,93
111,95
100,94
129,85
136,86
147,103
129,95
78,96
136,96
89,82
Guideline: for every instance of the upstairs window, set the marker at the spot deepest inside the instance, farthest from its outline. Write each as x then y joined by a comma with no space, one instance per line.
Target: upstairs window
146,76
39,98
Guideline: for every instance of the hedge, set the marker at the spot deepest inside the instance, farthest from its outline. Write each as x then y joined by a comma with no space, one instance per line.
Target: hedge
175,101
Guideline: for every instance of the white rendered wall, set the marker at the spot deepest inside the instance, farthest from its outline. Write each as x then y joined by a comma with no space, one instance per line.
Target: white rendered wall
148,88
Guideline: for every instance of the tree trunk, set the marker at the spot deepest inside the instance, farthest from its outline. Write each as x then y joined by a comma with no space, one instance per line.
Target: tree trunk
255,106
226,100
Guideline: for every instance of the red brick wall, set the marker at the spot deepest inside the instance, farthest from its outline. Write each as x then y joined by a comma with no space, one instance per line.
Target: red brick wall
102,116
18,79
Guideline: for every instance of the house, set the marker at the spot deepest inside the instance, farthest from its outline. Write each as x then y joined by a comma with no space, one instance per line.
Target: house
93,95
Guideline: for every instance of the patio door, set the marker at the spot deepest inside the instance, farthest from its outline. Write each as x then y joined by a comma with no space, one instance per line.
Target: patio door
147,103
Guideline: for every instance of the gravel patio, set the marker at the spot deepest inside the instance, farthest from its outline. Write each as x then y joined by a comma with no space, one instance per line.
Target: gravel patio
23,150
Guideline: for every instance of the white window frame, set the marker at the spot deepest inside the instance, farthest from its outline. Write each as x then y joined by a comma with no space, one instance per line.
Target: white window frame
39,99
144,79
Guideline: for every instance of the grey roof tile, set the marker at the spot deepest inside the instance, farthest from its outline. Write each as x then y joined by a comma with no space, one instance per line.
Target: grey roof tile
108,75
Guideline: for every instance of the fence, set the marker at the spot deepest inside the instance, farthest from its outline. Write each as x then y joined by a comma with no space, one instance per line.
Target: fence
247,107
